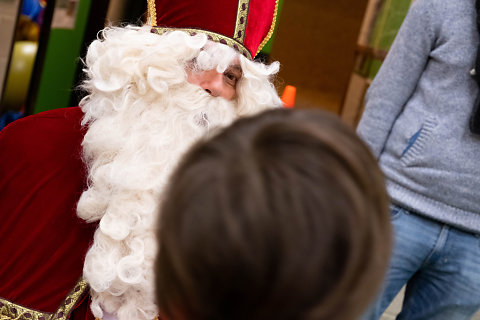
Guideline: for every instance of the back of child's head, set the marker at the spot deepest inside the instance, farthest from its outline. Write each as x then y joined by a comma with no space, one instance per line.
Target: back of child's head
280,216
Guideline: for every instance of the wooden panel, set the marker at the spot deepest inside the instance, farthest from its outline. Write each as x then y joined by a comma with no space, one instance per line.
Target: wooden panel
315,44
353,103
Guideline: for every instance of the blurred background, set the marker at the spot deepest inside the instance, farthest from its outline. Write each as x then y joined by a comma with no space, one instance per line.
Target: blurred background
329,50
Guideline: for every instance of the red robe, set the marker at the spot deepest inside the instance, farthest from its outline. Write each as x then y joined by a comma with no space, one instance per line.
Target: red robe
43,242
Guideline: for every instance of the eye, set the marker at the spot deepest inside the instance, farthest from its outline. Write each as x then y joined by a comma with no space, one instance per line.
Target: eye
231,77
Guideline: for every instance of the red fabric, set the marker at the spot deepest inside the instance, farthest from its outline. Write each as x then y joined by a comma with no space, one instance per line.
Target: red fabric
219,16
41,179
260,19
82,310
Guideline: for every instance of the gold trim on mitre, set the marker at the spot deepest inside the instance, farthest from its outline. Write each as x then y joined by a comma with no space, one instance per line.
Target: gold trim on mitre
270,32
213,36
241,22
13,311
152,13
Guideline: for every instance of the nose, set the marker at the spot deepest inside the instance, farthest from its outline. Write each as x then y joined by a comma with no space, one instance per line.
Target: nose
212,82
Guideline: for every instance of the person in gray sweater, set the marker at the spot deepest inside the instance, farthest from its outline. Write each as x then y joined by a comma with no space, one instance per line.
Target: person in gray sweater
416,121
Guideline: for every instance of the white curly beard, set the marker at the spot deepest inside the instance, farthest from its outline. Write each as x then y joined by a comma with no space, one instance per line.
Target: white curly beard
142,116
130,154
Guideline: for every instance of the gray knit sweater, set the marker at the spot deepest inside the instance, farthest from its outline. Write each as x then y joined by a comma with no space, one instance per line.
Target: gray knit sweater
417,111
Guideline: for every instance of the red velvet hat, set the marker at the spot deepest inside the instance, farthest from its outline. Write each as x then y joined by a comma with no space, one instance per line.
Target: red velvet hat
245,25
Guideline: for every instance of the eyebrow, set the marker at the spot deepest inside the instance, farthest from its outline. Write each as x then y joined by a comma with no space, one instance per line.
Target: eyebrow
235,68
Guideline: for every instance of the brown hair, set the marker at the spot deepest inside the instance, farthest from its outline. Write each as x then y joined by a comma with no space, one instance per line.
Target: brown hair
280,216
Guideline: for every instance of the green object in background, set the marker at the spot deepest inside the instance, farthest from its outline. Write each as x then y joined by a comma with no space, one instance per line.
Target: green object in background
61,59
387,24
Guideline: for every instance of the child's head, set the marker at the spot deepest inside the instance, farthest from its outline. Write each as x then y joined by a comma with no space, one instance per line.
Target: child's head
280,216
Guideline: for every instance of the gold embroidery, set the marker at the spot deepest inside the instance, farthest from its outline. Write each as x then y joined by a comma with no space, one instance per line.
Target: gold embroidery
12,311
241,23
211,36
152,13
71,300
270,32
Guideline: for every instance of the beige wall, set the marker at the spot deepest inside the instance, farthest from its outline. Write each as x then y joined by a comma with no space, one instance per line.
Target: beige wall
315,44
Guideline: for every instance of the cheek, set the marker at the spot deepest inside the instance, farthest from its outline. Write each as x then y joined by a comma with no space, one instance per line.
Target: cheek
192,77
229,93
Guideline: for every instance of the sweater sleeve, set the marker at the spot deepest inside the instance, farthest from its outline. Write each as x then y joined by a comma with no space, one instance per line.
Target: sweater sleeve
398,76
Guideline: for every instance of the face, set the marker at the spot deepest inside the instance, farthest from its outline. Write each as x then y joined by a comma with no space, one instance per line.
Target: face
217,84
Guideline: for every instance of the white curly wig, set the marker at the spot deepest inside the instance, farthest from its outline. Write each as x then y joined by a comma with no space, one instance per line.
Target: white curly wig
141,116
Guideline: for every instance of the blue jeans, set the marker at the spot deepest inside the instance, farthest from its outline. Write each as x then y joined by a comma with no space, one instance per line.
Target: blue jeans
440,266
